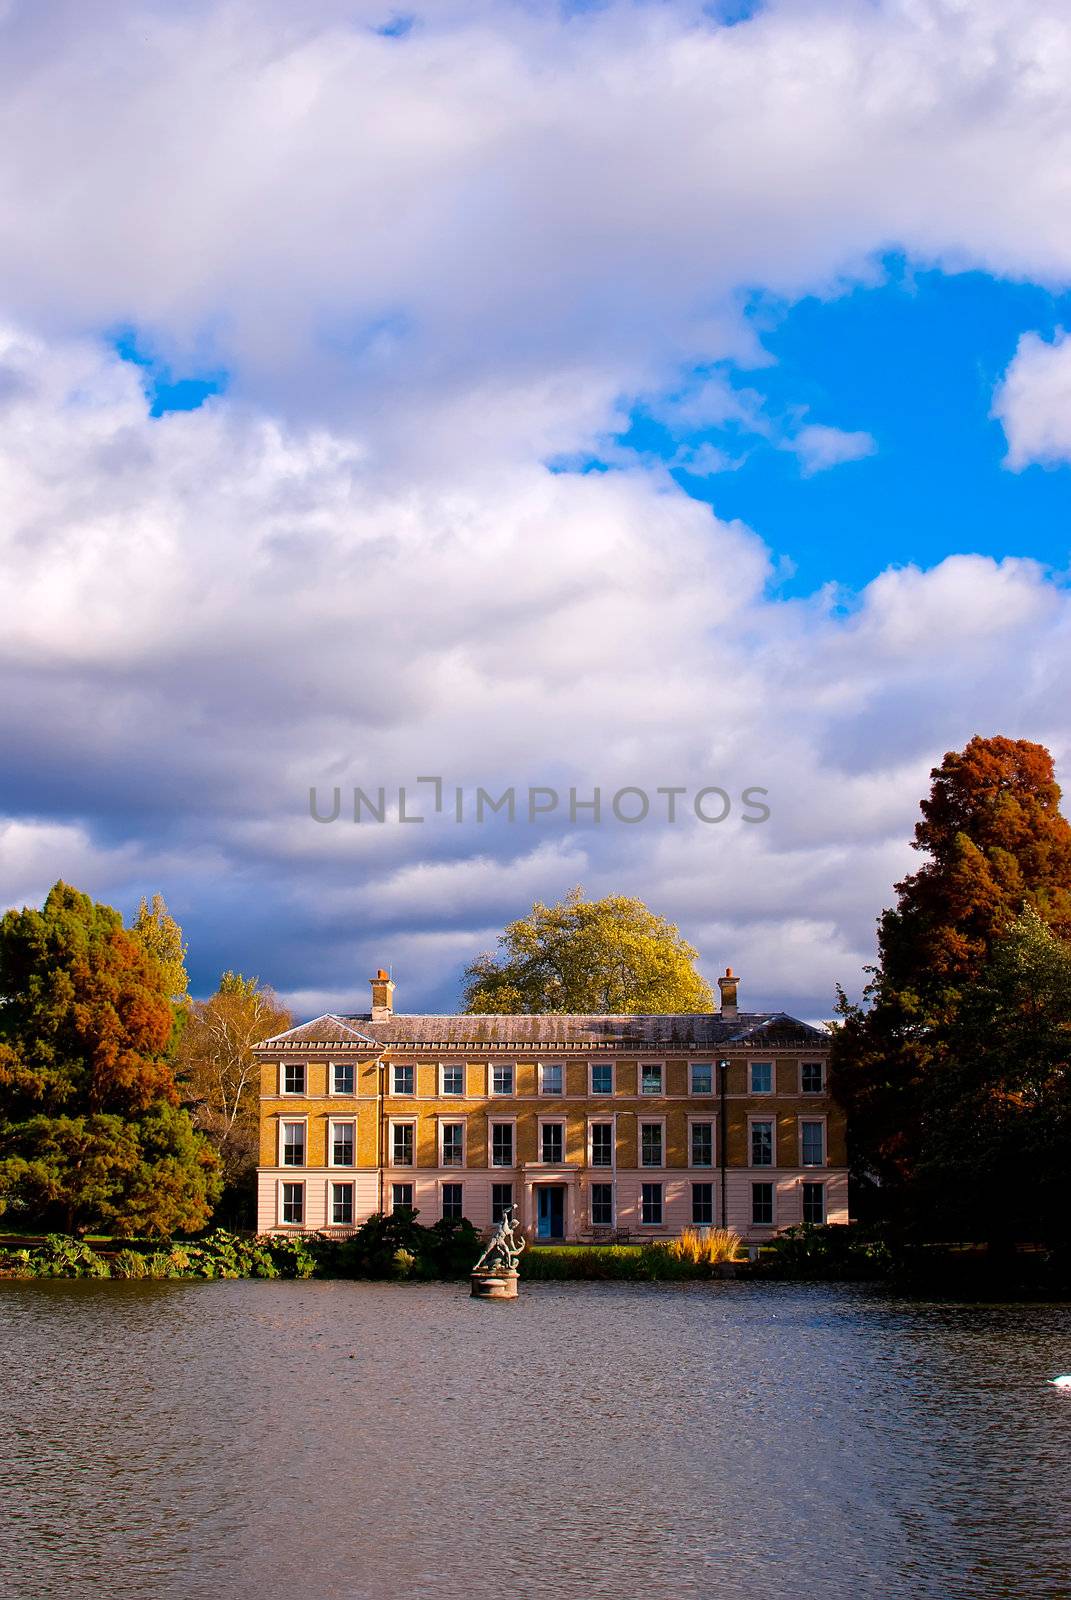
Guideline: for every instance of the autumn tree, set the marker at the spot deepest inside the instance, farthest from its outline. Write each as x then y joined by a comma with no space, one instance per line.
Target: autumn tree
610,956
219,1076
995,844
91,1131
161,936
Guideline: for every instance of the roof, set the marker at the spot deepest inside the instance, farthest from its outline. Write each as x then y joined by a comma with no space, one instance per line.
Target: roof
689,1031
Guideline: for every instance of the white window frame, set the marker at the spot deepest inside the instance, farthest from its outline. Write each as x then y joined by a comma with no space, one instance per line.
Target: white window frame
821,1065
332,1185
401,1122
541,1069
602,1122
817,1183
444,1121
510,1185
762,1061
712,1124
284,1067
452,1066
402,1183
280,1201
601,1094
501,1066
332,1124
813,1166
651,1066
767,1117
294,1122
501,1122
403,1066
773,1202
658,1184
651,1122
602,1183
335,1066
707,1183
451,1183
551,1122
703,1094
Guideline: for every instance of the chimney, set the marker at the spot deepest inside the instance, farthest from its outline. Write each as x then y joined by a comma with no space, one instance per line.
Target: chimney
727,985
382,996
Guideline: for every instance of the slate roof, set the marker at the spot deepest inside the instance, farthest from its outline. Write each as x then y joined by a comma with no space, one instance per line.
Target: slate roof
693,1031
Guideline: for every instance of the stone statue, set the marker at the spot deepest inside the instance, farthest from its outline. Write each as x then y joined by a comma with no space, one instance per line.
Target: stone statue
506,1245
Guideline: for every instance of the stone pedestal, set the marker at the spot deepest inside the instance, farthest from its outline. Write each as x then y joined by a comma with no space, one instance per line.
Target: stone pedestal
494,1285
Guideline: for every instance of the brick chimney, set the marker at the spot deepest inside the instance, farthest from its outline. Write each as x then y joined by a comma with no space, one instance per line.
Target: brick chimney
382,996
727,985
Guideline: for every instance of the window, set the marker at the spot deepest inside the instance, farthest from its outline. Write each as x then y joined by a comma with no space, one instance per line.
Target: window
702,1077
814,1202
453,1144
651,1205
762,1144
602,1205
812,1144
294,1077
811,1077
293,1144
453,1080
703,1204
401,1144
602,1144
342,1144
762,1204
702,1144
650,1080
501,1080
602,1078
342,1205
342,1077
293,1202
402,1080
453,1210
501,1200
552,1143
550,1077
650,1144
401,1196
762,1077
502,1144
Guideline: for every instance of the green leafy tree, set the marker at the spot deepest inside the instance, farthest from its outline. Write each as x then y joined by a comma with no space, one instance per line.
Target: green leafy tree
89,1110
219,1076
995,842
609,957
161,936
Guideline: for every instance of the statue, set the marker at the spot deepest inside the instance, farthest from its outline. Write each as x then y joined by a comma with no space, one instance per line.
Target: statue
499,1260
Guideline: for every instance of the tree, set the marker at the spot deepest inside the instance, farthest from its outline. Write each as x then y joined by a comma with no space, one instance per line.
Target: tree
996,1115
610,956
219,1075
89,1111
161,936
996,844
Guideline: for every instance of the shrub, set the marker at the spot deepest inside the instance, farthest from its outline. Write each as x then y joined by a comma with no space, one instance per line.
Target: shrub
707,1249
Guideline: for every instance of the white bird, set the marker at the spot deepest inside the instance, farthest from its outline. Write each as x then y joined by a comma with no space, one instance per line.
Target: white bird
1063,1382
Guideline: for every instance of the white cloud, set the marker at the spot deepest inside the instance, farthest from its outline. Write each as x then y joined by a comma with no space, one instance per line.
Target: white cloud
1033,402
819,447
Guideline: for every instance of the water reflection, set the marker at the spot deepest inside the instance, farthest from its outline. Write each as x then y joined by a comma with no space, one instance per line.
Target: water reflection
332,1441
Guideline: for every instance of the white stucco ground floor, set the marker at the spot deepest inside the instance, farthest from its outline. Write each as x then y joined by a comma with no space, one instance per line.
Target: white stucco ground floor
557,1202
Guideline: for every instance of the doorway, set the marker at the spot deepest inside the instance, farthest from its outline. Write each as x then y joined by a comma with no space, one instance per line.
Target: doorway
550,1211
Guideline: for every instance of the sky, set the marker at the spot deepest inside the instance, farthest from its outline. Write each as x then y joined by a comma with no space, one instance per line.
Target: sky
626,396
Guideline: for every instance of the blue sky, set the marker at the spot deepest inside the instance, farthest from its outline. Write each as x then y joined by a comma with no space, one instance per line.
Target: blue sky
632,394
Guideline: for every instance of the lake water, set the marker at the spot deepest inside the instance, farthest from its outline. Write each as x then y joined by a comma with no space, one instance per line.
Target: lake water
334,1441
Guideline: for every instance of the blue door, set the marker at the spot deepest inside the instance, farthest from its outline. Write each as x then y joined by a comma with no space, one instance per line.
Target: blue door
550,1215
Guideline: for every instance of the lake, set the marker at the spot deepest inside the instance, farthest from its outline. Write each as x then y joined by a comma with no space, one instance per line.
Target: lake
339,1441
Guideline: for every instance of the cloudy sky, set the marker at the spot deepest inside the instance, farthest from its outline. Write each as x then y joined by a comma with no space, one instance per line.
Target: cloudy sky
644,395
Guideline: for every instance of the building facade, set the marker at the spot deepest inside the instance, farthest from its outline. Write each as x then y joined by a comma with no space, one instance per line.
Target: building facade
593,1126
